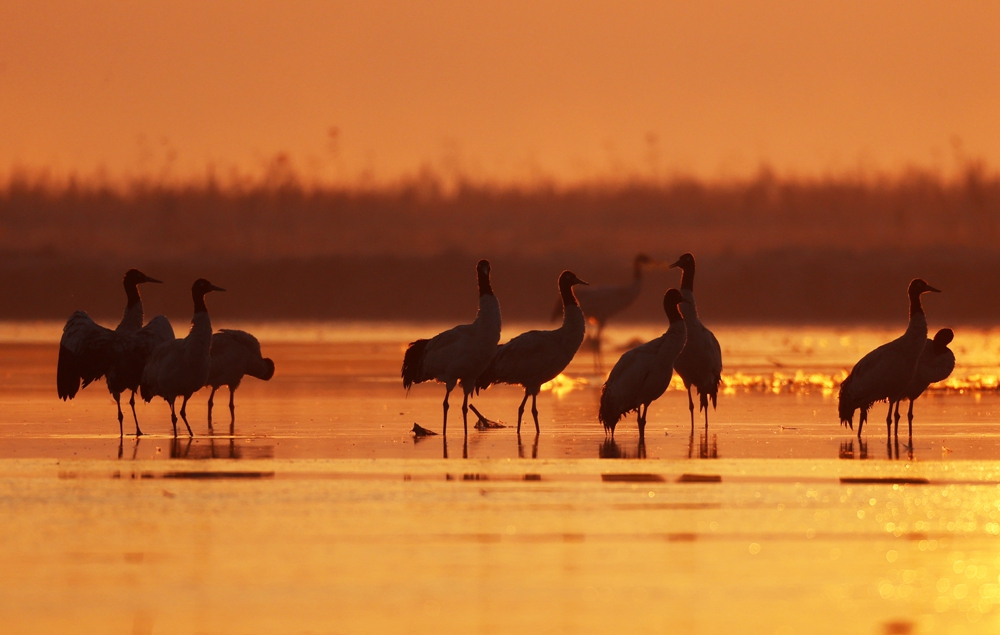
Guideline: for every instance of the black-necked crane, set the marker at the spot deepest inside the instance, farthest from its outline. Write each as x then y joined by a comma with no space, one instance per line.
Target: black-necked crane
700,363
884,373
642,374
458,355
235,354
535,357
602,302
89,351
935,364
180,368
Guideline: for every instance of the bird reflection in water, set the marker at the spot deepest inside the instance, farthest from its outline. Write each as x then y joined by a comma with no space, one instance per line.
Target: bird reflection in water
847,449
610,449
221,448
707,448
534,447
121,447
465,446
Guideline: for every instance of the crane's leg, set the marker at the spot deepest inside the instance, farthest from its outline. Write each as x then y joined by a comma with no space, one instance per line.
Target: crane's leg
232,411
690,405
211,402
895,419
888,420
704,405
520,410
184,415
448,388
465,412
118,400
131,403
173,416
640,415
909,418
862,419
534,413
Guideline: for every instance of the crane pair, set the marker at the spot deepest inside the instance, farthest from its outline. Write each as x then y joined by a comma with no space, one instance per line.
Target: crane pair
150,360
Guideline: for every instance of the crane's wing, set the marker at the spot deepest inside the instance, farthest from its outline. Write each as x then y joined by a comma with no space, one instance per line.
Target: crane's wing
522,357
86,351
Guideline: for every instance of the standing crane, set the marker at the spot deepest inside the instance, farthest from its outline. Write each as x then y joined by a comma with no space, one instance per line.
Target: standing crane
180,368
235,354
89,351
935,364
460,354
700,363
601,302
884,373
642,374
535,357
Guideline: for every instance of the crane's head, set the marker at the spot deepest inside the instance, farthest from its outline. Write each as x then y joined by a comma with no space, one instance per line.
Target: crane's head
134,277
567,279
918,287
202,286
672,297
483,267
685,262
942,339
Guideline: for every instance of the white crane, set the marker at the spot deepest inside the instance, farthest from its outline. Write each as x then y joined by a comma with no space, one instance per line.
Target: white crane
700,363
884,373
460,354
935,364
89,351
601,302
235,354
180,368
642,374
535,357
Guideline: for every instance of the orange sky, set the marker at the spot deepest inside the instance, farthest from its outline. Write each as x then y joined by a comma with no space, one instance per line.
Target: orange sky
505,91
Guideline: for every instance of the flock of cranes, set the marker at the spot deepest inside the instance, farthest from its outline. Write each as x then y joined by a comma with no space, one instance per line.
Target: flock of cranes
470,355
149,359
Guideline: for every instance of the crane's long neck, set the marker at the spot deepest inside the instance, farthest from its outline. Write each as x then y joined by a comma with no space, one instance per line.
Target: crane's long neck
485,288
200,335
132,316
573,320
917,326
687,278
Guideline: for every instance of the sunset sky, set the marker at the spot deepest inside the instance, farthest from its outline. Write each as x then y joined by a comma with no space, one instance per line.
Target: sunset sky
507,92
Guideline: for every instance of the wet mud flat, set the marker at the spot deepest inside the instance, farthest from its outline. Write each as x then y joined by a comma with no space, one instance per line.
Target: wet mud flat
320,512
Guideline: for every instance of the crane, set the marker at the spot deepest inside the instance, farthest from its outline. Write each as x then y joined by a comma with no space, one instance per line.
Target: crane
935,364
642,374
700,363
884,373
89,351
535,357
460,354
180,368
235,354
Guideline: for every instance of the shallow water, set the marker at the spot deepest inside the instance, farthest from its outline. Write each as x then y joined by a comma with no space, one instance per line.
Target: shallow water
323,514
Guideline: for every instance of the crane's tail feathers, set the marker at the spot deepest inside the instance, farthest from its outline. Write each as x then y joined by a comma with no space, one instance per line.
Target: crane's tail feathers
146,392
413,361
67,374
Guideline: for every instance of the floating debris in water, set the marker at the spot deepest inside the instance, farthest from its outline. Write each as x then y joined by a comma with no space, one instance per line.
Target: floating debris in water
484,423
419,431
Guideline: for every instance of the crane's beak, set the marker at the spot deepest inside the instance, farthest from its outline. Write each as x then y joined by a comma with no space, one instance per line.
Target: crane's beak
148,279
932,289
674,265
215,288
578,281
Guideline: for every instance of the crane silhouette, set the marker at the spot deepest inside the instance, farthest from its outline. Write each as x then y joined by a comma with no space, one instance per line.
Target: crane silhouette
180,368
89,351
642,374
884,373
535,357
460,354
